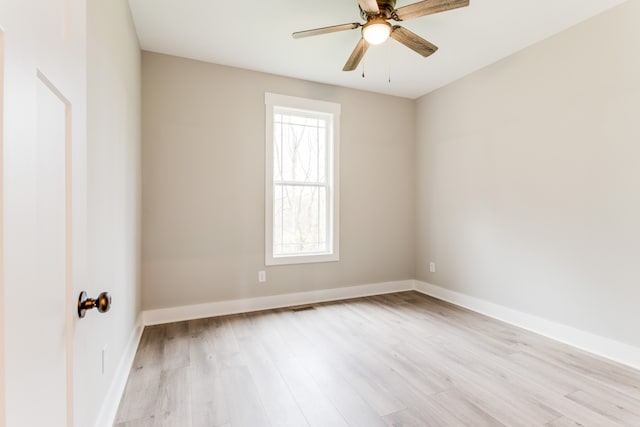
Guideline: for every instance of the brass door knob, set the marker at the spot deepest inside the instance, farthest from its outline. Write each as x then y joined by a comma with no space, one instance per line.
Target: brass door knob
102,303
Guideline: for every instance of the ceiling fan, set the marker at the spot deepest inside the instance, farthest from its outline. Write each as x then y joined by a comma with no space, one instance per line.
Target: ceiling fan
376,30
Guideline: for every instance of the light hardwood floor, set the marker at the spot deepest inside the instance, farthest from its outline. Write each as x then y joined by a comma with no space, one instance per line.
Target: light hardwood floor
395,360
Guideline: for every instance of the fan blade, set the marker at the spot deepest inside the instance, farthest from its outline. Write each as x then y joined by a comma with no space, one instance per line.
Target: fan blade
427,7
369,6
325,30
356,55
412,41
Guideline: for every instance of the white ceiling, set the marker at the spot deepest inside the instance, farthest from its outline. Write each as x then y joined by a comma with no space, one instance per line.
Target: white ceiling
256,35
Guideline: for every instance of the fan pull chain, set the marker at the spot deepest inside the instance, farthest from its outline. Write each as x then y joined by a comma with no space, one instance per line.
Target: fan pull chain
389,60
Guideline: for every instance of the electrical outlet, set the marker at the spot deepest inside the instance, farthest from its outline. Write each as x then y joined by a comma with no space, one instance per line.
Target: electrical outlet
432,267
103,360
262,276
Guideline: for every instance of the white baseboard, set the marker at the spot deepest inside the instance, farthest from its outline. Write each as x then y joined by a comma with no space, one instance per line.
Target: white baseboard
108,412
221,308
604,347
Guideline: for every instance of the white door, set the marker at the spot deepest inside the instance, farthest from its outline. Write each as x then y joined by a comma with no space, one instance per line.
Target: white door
42,118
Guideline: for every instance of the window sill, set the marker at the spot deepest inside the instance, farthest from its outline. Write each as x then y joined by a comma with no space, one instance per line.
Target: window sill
302,259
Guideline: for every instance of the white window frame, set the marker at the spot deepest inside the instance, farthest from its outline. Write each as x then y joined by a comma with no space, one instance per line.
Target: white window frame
272,101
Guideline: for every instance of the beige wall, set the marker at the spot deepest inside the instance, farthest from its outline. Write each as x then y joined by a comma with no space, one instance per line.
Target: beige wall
528,179
203,185
113,198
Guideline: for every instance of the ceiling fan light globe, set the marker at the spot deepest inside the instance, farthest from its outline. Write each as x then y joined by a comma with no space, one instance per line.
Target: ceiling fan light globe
376,33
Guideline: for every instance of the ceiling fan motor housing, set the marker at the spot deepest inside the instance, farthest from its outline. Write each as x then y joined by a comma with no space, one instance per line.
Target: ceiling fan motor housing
386,9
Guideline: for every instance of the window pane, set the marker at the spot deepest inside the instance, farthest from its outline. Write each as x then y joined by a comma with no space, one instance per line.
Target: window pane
299,148
322,157
299,216
277,150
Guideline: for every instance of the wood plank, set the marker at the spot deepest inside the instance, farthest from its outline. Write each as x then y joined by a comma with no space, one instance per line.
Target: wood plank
245,407
564,422
424,416
277,400
173,406
208,401
144,378
316,407
623,379
176,346
313,402
143,422
349,403
607,407
464,410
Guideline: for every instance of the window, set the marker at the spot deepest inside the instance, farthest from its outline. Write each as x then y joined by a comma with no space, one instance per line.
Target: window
301,203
